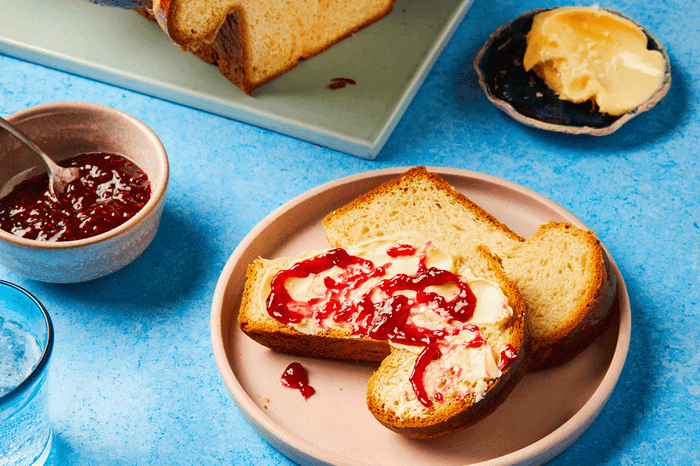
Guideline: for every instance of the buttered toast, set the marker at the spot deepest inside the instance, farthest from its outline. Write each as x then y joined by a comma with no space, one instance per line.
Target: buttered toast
453,325
561,272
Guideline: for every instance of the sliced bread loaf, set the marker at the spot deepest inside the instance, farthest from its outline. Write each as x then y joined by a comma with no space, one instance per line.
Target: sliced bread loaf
451,362
254,41
562,271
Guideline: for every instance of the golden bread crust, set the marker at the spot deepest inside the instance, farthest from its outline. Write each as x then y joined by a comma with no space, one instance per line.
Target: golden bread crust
414,185
590,312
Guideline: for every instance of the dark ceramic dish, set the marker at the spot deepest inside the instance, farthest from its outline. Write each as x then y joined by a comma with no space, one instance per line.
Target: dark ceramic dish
526,97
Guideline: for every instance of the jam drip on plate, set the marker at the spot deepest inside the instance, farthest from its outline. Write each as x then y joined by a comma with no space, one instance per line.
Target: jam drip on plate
295,376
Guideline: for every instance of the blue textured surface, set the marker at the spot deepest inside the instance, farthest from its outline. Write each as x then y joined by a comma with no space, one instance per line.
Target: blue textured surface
133,379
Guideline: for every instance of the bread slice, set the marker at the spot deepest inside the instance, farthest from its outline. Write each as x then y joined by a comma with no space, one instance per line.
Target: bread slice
466,400
461,386
254,321
562,271
254,41
567,283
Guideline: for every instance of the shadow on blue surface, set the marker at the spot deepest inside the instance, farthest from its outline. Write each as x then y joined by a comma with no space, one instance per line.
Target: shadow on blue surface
171,267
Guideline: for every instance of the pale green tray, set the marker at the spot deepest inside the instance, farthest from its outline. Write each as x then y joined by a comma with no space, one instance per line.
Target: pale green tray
389,60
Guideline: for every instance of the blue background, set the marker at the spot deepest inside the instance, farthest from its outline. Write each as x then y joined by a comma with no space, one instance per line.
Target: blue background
133,378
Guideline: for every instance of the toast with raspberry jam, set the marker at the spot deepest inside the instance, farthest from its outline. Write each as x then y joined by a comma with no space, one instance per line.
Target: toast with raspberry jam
453,326
562,271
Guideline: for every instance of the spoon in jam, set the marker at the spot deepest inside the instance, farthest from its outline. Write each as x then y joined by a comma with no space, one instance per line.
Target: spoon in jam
59,177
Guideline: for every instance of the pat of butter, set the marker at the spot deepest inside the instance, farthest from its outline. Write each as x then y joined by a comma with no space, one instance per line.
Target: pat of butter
592,54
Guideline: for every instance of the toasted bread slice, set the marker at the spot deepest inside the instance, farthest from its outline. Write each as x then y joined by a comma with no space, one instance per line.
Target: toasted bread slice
465,399
254,41
562,271
476,367
568,285
256,322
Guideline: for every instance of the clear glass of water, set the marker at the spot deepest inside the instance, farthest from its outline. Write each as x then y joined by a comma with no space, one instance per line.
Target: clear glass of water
26,341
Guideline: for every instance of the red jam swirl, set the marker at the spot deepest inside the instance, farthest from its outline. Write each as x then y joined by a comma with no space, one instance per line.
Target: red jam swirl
386,319
429,354
399,250
295,377
108,191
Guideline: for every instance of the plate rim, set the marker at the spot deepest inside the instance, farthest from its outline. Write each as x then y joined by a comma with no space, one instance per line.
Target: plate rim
537,452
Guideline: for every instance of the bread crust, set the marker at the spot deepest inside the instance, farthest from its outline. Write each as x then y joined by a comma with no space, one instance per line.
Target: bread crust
594,307
404,184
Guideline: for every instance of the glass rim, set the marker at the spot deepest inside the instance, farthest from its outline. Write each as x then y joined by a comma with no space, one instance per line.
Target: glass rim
47,349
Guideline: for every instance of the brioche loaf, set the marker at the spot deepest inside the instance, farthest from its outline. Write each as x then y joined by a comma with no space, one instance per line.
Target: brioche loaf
562,271
254,41
474,364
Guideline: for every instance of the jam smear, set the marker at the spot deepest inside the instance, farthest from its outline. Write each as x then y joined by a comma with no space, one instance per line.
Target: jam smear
429,354
386,319
508,355
399,250
295,377
382,312
109,190
339,83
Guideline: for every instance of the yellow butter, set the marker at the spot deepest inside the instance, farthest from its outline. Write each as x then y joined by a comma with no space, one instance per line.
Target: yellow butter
588,53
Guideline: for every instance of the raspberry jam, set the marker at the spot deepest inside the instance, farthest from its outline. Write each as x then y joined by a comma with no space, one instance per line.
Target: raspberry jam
429,354
386,319
508,355
339,83
295,376
108,191
382,311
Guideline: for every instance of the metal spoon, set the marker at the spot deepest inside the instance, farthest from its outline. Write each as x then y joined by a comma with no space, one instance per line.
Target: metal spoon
59,177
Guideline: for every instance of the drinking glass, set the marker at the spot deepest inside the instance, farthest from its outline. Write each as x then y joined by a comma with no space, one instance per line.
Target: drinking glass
26,341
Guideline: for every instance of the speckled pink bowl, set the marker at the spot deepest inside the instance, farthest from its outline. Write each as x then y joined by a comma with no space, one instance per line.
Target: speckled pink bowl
64,129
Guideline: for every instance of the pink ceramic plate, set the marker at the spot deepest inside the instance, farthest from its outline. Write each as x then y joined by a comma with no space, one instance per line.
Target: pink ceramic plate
334,426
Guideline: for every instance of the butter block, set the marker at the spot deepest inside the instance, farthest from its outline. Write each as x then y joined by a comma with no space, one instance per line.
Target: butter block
589,53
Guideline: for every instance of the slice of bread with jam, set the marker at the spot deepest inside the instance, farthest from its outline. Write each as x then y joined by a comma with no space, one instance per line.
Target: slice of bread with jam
453,325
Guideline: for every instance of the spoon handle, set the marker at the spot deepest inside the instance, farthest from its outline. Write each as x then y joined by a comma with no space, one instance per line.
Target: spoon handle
7,126
58,176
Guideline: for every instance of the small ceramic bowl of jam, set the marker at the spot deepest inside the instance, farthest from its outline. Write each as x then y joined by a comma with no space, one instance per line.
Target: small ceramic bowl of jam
106,216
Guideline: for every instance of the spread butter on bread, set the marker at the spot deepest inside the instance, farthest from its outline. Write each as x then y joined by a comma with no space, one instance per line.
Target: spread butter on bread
254,41
562,271
453,325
